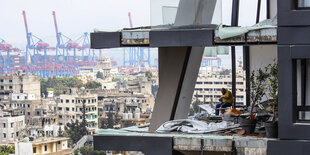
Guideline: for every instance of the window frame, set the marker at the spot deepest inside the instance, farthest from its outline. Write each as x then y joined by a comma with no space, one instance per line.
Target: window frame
288,92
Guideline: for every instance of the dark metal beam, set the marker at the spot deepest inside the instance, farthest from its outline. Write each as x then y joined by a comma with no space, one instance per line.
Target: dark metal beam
268,9
148,145
234,22
233,73
246,68
181,38
258,11
235,13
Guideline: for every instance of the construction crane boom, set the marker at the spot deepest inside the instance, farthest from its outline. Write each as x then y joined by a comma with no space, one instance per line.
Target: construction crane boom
26,27
56,28
130,21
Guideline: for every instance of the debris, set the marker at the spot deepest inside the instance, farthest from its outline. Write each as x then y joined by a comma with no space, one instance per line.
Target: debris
235,111
241,132
194,126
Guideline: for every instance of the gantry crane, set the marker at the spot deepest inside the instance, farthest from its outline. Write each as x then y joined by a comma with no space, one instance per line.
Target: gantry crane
66,44
5,62
136,56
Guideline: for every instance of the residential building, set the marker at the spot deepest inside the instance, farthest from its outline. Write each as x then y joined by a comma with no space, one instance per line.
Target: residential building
12,127
109,85
19,83
103,65
138,85
208,88
42,146
70,108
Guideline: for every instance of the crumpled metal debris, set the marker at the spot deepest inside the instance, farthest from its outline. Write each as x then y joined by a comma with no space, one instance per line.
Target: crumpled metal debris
194,126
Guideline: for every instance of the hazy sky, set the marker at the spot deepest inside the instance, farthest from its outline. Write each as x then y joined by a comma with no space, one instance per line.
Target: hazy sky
77,16
73,17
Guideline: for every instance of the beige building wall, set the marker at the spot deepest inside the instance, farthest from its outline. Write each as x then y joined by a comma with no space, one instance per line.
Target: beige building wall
44,146
19,83
70,108
66,108
11,128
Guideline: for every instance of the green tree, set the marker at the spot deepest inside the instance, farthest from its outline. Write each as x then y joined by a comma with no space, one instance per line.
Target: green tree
73,131
6,150
83,125
88,150
60,132
92,85
99,75
148,75
59,84
257,91
76,130
272,85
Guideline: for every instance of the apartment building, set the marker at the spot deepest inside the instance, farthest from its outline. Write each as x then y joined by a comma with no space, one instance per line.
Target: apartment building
19,83
119,101
89,72
12,127
70,108
42,146
122,104
208,88
139,85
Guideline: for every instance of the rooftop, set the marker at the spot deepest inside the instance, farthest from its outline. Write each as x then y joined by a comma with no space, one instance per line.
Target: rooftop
44,140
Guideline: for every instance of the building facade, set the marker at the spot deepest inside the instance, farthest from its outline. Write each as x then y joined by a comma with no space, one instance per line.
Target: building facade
19,83
208,88
42,146
11,127
70,108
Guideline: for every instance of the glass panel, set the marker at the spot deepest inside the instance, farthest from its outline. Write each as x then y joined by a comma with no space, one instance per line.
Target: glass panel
185,12
304,116
303,3
303,89
303,86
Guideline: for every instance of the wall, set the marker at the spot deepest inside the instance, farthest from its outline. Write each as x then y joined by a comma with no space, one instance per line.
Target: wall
260,56
23,148
18,126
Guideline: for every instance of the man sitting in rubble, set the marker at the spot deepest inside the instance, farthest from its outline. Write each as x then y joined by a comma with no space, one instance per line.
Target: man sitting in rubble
226,100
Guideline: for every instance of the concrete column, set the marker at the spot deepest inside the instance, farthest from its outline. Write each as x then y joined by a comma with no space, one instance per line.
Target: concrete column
170,62
179,66
189,82
178,71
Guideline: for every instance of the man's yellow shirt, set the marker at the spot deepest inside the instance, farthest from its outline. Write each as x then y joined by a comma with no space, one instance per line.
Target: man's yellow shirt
228,95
